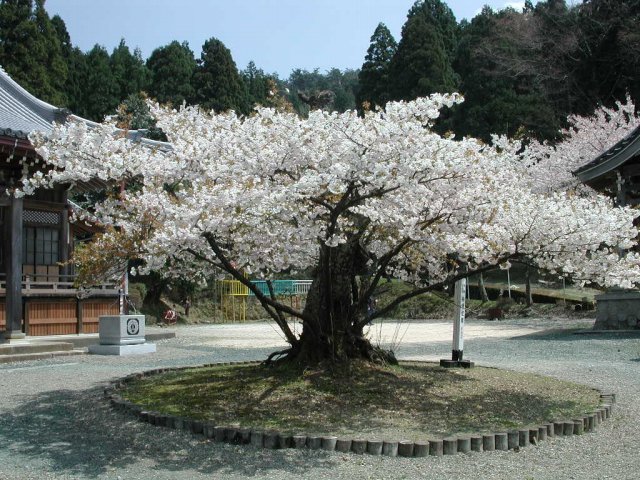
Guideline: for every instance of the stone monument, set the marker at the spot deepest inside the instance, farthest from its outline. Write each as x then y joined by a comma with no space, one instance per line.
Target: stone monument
122,335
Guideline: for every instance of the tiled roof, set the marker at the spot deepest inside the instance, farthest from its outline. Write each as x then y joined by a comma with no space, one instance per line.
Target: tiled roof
621,152
21,112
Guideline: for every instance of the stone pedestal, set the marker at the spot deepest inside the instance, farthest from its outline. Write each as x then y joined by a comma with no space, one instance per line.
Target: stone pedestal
122,335
8,336
456,363
618,310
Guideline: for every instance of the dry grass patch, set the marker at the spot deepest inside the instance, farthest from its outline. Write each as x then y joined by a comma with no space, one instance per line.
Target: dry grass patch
409,401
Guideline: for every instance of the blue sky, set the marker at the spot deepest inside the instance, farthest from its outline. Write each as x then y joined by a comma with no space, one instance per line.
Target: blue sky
278,35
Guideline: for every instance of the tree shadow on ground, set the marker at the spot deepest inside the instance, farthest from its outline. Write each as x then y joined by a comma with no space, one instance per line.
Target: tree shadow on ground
77,433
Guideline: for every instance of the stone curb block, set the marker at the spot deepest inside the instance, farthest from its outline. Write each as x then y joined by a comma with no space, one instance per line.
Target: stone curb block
329,443
501,441
436,448
314,442
374,447
523,437
476,443
405,448
359,446
343,445
390,448
488,442
270,440
450,446
464,445
421,449
299,441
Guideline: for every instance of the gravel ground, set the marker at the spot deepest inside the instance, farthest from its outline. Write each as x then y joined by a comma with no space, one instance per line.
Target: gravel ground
54,423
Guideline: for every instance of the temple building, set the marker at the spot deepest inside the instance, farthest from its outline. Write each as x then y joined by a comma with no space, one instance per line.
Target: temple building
616,173
37,291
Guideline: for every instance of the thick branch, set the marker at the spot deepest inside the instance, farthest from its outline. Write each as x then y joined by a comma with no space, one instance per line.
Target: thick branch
263,299
419,291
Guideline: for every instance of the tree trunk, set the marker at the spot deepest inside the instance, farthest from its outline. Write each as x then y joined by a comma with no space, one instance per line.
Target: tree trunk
333,316
527,289
483,291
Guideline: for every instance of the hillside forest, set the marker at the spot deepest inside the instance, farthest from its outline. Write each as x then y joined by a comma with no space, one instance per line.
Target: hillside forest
522,72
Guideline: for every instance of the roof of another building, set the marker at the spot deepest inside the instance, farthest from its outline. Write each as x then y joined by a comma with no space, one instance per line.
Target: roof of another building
21,113
616,156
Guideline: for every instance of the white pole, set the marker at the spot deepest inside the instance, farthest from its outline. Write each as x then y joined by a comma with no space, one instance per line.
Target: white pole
509,282
458,322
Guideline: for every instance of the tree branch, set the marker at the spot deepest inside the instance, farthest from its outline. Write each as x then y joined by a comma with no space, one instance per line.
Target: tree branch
263,299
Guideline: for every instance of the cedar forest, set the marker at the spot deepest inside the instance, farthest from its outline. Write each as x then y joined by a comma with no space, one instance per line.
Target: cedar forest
522,73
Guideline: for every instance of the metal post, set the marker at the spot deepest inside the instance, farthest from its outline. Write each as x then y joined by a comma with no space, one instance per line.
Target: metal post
458,322
509,282
121,301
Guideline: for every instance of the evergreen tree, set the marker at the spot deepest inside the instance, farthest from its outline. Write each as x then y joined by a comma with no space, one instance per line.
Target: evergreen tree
374,74
344,84
423,62
171,68
76,82
30,50
129,70
63,36
496,101
610,53
257,84
50,50
133,114
101,93
217,81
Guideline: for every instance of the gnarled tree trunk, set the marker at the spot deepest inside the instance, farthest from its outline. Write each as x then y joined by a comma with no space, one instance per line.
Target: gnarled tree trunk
335,313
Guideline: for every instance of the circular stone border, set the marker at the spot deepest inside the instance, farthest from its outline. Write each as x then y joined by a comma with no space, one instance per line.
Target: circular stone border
271,439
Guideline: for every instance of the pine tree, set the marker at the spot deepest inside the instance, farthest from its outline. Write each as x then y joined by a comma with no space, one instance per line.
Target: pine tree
423,63
30,49
171,68
100,89
257,84
217,81
129,70
374,74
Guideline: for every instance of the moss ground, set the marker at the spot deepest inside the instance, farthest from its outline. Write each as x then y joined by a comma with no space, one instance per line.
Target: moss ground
411,401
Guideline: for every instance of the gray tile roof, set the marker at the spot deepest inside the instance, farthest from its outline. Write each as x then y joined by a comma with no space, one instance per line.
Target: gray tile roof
623,151
22,113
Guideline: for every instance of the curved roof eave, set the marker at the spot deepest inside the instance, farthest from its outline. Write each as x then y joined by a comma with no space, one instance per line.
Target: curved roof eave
616,156
22,113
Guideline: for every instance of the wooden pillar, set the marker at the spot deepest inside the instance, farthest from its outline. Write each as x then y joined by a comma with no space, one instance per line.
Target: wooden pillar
64,247
79,314
14,271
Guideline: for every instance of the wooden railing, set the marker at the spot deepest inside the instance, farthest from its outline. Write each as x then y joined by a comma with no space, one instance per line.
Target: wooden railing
57,285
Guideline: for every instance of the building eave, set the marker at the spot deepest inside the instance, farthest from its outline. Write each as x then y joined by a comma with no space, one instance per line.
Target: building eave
612,159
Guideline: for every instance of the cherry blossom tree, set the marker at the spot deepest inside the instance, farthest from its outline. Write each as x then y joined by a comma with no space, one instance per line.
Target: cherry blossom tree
551,165
357,199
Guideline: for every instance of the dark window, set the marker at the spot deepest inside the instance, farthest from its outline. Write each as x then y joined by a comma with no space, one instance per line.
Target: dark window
40,246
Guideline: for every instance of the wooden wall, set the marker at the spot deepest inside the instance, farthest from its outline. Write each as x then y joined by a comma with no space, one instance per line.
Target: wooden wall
60,316
3,313
50,317
92,309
